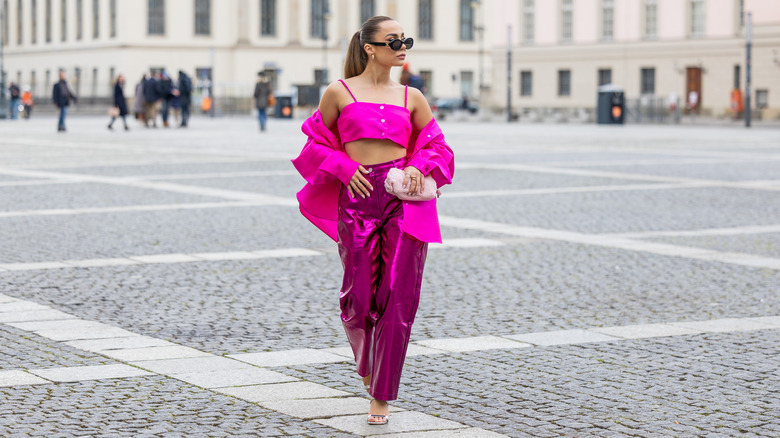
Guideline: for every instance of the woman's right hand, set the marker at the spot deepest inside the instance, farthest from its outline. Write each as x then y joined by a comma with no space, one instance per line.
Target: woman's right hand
359,184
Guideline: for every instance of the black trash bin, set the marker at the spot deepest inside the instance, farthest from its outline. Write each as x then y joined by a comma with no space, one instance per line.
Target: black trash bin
610,108
284,108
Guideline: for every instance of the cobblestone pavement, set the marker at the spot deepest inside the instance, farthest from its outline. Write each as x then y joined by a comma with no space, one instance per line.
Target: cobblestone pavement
594,281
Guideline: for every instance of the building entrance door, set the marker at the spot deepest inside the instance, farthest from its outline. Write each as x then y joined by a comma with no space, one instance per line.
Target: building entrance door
693,89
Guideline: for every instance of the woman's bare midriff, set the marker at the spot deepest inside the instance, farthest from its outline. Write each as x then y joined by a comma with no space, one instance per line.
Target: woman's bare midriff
371,151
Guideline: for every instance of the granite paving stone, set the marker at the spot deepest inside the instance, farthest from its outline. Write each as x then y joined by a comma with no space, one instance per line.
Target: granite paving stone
230,378
283,391
94,372
401,422
321,407
561,337
227,277
17,377
131,342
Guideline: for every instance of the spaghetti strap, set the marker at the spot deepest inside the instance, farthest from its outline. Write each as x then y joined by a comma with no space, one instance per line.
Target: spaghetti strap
350,91
406,92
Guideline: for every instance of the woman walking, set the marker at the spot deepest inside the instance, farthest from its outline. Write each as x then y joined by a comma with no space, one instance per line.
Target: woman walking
119,102
366,127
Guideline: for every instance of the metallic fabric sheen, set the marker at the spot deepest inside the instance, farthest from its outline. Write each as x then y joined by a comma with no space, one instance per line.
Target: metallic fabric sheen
382,277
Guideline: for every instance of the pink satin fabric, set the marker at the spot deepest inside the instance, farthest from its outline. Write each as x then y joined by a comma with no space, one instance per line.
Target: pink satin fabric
383,269
327,168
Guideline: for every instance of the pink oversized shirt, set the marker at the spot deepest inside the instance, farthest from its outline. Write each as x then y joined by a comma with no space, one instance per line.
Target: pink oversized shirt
326,167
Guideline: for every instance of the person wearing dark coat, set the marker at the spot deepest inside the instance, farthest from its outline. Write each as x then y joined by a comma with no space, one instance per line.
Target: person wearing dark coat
119,102
15,99
263,92
61,96
152,98
166,93
185,97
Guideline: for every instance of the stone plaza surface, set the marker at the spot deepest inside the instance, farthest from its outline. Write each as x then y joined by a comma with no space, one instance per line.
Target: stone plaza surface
593,281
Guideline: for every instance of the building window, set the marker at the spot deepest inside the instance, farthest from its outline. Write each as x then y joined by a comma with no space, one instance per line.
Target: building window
5,23
112,21
94,82
466,21
202,17
526,83
267,17
79,19
567,17
63,20
427,80
47,22
466,83
19,18
34,21
366,10
156,17
605,76
426,20
651,19
528,21
648,81
742,13
95,19
607,20
33,82
762,98
697,18
318,10
47,81
564,82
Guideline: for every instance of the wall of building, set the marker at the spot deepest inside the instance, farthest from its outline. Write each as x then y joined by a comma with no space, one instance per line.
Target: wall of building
717,51
237,49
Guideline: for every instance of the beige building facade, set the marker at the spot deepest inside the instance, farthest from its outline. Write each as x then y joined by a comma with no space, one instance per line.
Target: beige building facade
562,50
228,41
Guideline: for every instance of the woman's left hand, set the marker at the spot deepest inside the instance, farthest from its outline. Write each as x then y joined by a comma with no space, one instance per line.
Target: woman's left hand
414,180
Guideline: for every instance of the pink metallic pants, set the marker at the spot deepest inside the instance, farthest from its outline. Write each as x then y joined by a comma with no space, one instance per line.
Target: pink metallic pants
382,277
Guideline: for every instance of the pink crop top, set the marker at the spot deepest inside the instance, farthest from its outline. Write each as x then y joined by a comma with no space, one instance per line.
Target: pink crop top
359,120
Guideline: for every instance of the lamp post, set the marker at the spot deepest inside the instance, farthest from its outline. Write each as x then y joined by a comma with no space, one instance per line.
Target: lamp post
325,19
3,103
479,29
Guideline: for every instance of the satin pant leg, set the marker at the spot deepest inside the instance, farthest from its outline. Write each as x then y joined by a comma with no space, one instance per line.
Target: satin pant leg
381,288
397,298
358,247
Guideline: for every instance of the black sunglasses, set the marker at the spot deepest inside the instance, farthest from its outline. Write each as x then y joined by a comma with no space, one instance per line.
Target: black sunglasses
396,44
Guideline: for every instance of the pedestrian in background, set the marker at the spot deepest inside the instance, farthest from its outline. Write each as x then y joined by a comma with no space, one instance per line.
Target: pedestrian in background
367,128
166,93
185,97
151,100
119,103
27,101
62,96
13,106
139,101
175,104
263,97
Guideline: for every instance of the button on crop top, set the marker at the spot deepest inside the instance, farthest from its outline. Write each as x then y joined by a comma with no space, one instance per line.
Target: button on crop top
359,120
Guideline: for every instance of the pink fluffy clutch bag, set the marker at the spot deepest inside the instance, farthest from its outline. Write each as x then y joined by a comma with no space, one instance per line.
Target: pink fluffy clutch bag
394,184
